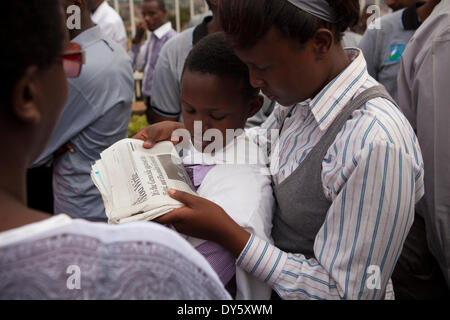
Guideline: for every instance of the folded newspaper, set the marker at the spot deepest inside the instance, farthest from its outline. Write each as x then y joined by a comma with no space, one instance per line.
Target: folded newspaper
134,181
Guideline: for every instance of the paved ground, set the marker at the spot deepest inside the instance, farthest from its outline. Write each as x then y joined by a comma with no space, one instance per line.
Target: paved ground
138,107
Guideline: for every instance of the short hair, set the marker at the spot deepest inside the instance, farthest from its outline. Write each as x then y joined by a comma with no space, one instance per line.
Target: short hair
161,4
245,22
34,37
212,55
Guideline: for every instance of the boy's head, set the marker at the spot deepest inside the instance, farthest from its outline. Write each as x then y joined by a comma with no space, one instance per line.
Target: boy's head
215,88
154,13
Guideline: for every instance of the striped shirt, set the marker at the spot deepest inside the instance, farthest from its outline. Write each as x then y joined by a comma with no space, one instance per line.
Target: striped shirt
372,174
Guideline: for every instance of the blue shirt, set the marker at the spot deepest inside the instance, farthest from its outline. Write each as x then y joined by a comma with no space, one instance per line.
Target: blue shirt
383,47
95,117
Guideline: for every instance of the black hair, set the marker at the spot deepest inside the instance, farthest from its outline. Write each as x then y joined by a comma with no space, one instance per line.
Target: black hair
32,34
212,55
245,22
161,4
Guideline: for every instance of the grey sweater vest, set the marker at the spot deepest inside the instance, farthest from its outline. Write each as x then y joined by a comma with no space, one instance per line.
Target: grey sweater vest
301,204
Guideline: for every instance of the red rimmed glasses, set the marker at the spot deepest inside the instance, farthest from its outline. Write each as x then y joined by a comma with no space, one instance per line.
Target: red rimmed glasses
73,59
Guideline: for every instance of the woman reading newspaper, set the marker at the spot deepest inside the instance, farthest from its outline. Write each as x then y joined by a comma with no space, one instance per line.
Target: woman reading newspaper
349,169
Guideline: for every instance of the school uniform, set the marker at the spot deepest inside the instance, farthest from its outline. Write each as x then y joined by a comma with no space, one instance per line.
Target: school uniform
347,175
383,47
224,179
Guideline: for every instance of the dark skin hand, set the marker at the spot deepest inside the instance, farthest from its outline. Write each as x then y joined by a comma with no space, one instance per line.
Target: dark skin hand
204,219
199,217
161,131
141,28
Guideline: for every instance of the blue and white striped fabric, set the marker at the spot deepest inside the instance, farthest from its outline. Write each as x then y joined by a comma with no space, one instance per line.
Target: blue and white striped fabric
372,173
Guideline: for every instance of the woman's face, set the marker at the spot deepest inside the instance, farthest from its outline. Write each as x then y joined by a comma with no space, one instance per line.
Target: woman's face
286,71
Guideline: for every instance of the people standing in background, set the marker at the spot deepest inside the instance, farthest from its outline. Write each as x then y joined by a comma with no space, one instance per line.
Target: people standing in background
109,21
146,56
383,47
95,117
166,101
423,270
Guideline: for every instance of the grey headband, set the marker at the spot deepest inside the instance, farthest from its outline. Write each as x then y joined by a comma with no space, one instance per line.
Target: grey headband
318,8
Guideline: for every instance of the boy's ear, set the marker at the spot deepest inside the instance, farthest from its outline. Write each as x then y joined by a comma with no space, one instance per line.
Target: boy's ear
23,97
255,105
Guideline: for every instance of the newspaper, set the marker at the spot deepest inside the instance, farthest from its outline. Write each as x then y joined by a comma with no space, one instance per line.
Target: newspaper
134,181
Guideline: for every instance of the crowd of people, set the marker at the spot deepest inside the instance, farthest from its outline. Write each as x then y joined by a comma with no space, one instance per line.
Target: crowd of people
349,198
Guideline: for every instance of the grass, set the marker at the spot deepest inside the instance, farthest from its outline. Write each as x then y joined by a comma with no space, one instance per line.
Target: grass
137,123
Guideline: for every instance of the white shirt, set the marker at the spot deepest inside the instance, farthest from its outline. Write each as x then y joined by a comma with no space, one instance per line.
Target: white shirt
244,191
110,23
138,51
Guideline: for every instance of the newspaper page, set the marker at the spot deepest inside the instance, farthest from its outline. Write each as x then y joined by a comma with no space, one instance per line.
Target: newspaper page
134,181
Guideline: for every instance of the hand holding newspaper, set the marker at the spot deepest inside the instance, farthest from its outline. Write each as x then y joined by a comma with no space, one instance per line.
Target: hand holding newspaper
134,181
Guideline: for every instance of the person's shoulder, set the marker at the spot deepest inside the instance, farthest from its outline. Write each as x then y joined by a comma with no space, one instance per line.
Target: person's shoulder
110,15
179,42
108,232
138,231
106,56
394,18
174,52
435,28
127,251
387,25
382,121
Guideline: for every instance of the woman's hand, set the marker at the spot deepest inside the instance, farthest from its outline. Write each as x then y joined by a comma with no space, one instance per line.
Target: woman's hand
161,131
204,219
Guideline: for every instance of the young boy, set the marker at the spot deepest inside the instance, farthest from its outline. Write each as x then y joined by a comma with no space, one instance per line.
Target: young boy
217,96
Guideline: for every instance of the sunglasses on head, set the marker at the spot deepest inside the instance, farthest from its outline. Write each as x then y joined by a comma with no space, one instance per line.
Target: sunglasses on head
72,59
